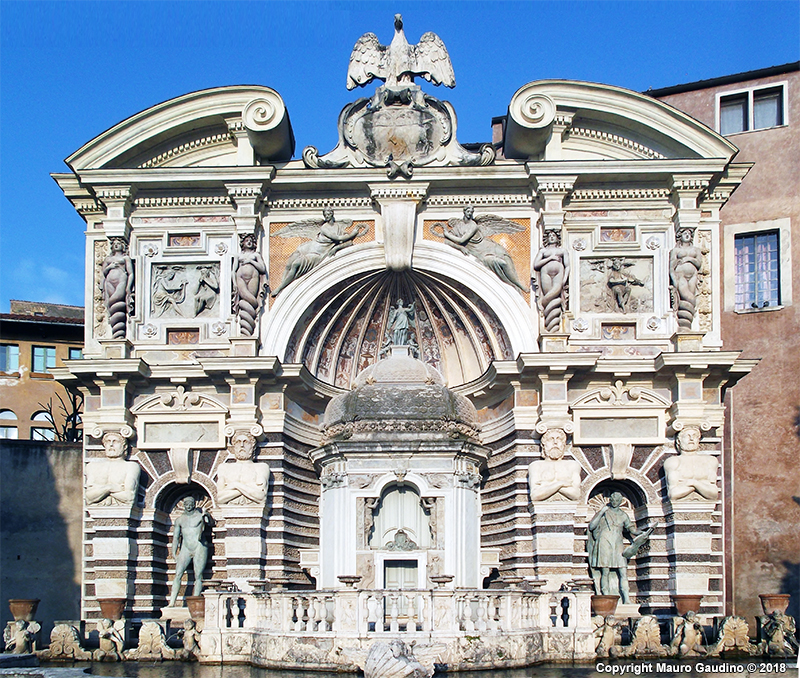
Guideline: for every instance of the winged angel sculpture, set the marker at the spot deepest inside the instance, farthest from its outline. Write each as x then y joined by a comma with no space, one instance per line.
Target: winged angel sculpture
327,236
399,63
471,235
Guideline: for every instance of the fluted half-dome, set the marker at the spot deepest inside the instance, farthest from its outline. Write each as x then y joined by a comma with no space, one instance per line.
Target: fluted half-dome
400,397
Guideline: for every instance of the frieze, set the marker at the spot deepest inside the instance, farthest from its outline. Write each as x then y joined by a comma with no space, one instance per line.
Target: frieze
489,199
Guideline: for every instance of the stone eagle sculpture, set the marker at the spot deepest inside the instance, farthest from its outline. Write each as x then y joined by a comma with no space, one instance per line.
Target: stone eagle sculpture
399,63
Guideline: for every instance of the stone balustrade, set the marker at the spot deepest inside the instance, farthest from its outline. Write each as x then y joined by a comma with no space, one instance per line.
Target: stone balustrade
334,629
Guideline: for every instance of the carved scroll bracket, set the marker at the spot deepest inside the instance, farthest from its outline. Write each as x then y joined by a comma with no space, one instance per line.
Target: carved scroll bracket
399,205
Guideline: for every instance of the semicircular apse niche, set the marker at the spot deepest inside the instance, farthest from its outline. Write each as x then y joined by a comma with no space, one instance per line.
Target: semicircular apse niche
345,330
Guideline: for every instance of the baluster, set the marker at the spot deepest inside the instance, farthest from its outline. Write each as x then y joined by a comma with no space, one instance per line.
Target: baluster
372,613
394,613
299,610
491,615
481,611
312,611
469,625
324,623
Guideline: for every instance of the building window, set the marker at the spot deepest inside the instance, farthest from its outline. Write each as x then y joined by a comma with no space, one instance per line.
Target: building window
757,257
8,432
76,354
38,433
9,358
44,358
41,432
751,110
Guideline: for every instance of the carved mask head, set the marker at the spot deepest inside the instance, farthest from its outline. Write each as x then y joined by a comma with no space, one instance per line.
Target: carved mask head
552,237
327,214
114,445
554,443
685,236
616,499
189,504
242,446
688,439
469,212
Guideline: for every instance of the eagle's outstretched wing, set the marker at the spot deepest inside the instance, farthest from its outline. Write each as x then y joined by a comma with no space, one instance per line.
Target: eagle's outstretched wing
433,61
308,228
491,224
367,61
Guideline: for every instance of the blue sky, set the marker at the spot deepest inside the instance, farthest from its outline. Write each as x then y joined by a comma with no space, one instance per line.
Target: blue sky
69,70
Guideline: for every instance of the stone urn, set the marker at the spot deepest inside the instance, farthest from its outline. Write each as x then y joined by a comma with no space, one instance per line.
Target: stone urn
686,602
197,607
774,602
112,608
349,580
604,605
23,608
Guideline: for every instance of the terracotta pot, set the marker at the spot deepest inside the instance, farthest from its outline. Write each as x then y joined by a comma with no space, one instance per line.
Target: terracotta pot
23,608
604,605
774,602
686,602
197,607
112,608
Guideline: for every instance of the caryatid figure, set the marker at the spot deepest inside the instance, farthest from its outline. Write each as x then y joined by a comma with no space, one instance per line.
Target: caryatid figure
554,477
250,283
552,268
118,287
685,262
691,472
245,481
190,546
112,481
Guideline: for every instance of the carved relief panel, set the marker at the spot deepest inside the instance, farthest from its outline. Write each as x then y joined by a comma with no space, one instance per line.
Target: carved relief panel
185,270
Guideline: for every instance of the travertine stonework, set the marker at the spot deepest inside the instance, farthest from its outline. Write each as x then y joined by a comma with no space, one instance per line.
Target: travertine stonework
437,314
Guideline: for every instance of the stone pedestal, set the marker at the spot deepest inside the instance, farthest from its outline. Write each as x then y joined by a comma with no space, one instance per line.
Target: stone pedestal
554,542
686,340
111,531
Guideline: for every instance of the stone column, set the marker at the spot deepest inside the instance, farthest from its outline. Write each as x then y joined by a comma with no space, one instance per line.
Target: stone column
337,527
462,526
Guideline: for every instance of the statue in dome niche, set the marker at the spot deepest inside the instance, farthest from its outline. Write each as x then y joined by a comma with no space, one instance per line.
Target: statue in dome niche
470,235
118,286
607,551
251,284
400,323
691,474
327,237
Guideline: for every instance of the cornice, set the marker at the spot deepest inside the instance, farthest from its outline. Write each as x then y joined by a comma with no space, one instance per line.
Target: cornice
588,194
615,140
188,147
